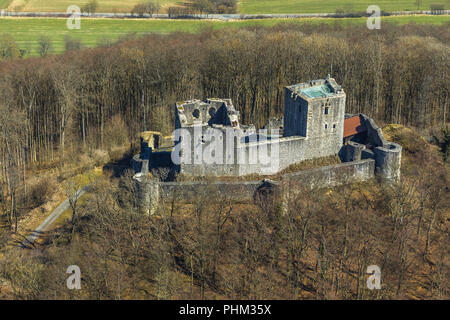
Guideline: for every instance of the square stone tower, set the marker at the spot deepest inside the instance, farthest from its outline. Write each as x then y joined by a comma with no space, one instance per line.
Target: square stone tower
315,110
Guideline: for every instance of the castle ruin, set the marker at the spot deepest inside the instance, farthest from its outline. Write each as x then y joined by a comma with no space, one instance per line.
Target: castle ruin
211,141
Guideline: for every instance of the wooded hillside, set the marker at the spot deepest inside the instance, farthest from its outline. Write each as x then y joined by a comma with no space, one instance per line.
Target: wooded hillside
55,109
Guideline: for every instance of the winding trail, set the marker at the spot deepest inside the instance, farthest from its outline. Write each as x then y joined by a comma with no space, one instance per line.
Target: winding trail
29,241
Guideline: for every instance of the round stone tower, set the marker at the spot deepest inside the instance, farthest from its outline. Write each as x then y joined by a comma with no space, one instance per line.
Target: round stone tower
388,160
147,192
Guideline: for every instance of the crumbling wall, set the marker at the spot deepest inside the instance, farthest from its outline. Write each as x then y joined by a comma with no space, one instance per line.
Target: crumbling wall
330,176
291,183
353,151
387,155
140,163
375,136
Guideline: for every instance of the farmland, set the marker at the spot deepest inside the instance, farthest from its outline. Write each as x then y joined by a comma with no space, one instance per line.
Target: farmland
26,31
62,5
245,6
329,6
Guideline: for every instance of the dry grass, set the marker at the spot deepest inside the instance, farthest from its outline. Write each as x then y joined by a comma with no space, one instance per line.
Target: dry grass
312,164
416,150
113,6
304,165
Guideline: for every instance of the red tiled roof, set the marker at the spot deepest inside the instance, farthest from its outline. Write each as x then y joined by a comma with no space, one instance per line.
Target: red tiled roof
353,126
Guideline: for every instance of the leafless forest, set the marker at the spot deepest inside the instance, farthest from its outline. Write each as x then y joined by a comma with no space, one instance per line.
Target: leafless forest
57,108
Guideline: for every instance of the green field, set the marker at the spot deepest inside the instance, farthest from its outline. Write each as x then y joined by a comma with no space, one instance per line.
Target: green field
26,31
5,3
330,6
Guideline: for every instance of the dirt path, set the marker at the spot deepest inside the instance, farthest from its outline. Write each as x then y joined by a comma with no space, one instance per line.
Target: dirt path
29,241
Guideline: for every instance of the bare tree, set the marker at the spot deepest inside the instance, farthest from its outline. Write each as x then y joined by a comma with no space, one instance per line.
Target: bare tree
44,46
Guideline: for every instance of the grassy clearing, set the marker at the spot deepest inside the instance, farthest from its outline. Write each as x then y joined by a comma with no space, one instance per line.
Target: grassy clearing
66,216
26,31
328,6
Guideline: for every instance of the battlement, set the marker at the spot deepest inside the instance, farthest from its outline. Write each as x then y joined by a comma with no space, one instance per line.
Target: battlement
209,112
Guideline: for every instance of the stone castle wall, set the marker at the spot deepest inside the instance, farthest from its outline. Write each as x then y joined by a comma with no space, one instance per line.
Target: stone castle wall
387,155
289,150
243,191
